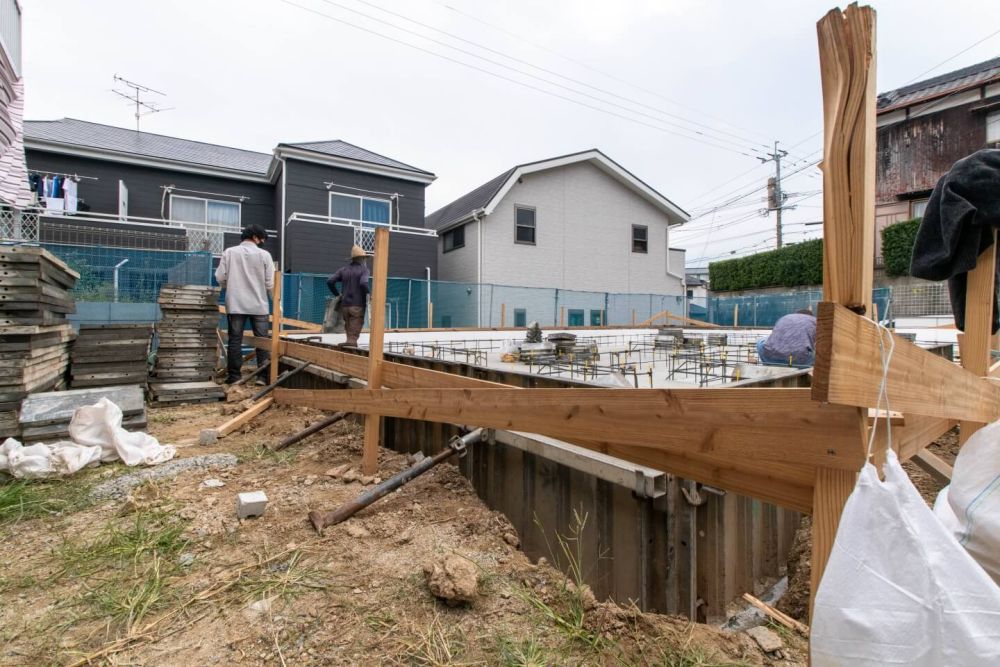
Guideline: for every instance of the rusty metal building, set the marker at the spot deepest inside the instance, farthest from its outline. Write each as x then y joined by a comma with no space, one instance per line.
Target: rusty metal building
923,128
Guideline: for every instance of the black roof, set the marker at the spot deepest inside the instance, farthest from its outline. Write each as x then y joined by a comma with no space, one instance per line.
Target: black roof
146,144
960,79
467,203
339,148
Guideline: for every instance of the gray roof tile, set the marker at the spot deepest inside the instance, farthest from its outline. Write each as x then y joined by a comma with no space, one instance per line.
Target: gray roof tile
467,203
961,79
145,144
338,148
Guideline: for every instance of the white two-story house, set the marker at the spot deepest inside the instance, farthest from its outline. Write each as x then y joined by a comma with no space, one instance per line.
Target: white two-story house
579,223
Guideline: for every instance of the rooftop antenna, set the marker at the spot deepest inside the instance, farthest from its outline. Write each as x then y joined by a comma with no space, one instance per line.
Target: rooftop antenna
142,108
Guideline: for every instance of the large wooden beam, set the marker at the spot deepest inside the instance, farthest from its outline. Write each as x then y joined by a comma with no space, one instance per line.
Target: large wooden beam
779,425
848,371
369,456
847,68
978,324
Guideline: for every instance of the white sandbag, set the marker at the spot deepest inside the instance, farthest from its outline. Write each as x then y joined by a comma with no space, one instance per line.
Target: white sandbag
41,461
101,425
898,588
969,507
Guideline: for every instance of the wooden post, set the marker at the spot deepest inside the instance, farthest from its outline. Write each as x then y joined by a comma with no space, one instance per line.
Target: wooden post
633,318
430,315
503,315
847,68
369,457
736,316
275,324
976,342
562,316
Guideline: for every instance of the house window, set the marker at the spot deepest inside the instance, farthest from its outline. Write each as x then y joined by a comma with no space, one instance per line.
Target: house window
640,238
917,208
597,318
575,318
520,317
993,128
690,293
368,211
207,221
454,239
524,225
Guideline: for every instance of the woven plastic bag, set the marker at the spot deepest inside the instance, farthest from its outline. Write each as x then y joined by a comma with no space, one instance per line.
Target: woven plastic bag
898,588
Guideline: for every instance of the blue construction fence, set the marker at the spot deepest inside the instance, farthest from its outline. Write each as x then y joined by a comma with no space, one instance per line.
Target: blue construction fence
763,310
122,284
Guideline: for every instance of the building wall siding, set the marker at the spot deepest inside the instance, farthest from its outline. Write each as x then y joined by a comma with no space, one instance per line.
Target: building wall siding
316,248
584,221
912,155
461,265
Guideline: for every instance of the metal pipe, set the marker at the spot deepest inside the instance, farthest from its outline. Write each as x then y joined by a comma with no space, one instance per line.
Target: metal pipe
457,445
260,369
118,266
305,433
284,376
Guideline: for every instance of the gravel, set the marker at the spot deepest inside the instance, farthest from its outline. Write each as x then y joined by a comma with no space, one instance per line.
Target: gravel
119,487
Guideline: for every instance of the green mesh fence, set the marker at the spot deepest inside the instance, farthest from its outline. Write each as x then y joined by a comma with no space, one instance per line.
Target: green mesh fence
126,275
763,310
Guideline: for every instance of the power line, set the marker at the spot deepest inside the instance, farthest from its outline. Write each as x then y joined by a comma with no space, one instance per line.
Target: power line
950,58
512,80
613,77
498,52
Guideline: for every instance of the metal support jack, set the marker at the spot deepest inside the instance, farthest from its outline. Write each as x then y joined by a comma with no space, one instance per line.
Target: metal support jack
306,432
457,445
282,378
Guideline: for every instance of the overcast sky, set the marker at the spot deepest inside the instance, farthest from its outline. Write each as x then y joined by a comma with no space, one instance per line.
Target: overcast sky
683,93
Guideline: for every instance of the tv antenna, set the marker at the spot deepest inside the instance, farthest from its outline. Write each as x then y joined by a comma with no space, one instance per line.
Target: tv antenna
142,107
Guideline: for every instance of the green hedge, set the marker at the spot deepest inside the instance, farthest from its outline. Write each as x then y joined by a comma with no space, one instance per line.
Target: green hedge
791,266
897,246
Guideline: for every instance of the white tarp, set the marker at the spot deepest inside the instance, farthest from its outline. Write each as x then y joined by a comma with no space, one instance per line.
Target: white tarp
969,507
899,589
97,435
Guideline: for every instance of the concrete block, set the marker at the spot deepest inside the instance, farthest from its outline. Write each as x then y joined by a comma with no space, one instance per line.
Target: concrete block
208,436
250,504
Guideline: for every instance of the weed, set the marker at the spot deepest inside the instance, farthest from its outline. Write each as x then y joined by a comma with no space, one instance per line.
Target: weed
436,646
150,534
567,617
29,499
261,452
688,656
284,580
128,602
380,620
528,653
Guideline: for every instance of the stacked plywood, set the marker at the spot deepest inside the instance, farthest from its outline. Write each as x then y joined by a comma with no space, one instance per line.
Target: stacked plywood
186,353
34,333
46,416
105,355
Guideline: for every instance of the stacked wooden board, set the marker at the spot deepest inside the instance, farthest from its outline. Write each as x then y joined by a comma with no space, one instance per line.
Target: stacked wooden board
187,343
105,355
45,416
34,332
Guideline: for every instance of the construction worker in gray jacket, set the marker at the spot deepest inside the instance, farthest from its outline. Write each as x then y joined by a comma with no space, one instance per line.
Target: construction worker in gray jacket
353,294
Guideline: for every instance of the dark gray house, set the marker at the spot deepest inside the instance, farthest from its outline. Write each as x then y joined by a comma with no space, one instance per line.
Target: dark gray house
104,185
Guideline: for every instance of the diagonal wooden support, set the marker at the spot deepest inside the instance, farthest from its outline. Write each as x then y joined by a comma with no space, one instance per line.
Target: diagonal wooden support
978,324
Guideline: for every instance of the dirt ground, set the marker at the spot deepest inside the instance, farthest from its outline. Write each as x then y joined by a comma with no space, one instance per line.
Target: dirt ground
795,602
170,576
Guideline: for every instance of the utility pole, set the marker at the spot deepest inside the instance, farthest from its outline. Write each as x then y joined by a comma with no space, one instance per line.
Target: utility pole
775,196
135,97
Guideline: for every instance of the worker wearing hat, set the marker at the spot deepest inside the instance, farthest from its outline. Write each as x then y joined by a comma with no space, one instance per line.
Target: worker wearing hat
353,294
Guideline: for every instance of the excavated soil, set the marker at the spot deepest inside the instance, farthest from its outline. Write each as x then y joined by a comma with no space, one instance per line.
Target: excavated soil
170,576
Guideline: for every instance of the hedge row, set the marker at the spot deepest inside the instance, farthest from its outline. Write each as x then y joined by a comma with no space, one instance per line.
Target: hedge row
791,266
897,246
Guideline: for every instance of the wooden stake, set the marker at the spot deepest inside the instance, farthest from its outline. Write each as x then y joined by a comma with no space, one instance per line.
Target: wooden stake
978,324
562,317
736,316
369,457
275,324
847,68
503,315
781,617
633,317
430,315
